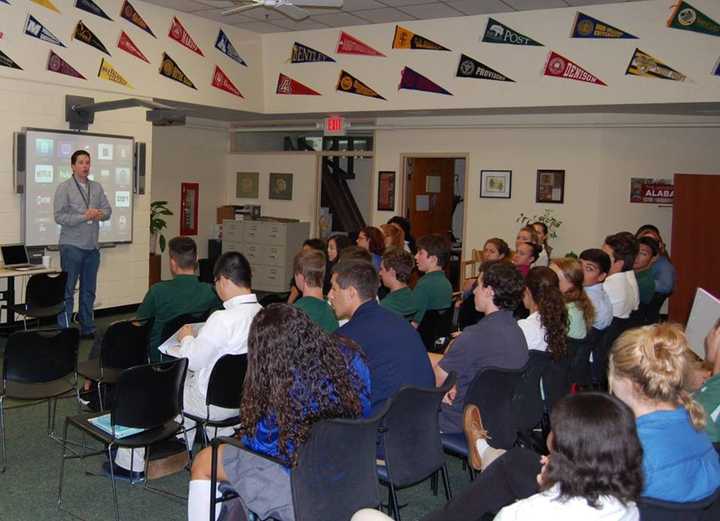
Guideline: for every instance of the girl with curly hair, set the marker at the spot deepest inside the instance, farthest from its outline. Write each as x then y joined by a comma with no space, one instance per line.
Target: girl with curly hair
297,375
581,312
545,329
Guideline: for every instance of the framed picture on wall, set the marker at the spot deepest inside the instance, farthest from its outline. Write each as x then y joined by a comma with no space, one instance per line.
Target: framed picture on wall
496,184
281,187
386,191
247,185
550,186
189,197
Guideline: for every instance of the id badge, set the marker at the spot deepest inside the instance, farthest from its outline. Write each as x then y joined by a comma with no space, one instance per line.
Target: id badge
89,222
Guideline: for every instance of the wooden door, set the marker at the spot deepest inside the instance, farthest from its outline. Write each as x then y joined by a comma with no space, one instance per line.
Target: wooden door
695,245
430,211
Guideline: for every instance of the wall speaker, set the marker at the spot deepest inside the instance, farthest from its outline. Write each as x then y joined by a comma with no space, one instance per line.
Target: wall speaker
139,168
19,156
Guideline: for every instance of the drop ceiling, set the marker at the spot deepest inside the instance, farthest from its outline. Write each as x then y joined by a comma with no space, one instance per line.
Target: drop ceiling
362,12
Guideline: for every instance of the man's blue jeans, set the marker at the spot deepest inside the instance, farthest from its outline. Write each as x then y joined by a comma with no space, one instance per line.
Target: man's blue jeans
83,264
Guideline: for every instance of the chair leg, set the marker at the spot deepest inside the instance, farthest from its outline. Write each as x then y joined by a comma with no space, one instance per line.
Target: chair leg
112,481
213,480
62,464
434,483
99,393
446,482
4,439
395,504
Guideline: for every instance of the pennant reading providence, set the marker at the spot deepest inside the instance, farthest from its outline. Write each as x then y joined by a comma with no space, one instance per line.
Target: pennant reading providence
350,45
127,45
350,84
303,54
48,4
128,12
413,80
34,28
91,7
222,82
108,72
225,46
288,86
170,69
642,64
85,35
496,32
686,17
588,27
560,67
57,64
471,68
6,61
180,35
405,39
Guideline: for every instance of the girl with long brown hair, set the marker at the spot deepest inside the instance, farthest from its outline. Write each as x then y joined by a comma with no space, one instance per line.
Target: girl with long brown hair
581,312
545,329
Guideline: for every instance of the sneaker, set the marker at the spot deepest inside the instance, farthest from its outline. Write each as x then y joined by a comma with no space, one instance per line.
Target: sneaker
476,436
121,473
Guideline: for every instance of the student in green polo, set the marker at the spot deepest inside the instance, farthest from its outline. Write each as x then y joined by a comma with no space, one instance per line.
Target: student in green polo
309,272
433,290
395,269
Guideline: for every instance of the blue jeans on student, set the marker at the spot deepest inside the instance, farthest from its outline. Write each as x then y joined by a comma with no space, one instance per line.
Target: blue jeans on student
83,264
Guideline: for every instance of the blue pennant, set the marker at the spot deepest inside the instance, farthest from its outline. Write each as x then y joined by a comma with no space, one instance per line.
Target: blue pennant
225,46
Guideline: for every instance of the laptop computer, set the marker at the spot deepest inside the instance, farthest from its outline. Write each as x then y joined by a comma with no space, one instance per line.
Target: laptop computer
15,256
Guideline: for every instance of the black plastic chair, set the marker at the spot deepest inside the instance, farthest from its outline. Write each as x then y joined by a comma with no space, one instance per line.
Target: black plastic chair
601,354
38,365
147,397
335,472
44,297
224,390
579,351
411,436
124,345
649,313
706,509
436,324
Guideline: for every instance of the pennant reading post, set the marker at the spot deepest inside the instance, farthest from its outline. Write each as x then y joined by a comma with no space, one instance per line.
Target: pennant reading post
108,72
222,82
85,35
128,12
350,84
303,54
642,64
37,30
686,17
496,32
588,27
471,68
91,7
560,67
6,61
48,4
405,39
350,45
170,69
127,45
180,35
57,64
225,46
413,80
288,86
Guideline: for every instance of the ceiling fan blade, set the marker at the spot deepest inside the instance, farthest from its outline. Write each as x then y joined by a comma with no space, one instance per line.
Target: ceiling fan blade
318,3
293,12
245,5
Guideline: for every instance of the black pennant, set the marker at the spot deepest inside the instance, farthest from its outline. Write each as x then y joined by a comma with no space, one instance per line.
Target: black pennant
304,54
471,68
91,7
170,69
85,35
6,61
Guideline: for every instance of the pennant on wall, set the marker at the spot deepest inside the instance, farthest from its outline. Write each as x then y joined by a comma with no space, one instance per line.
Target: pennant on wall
34,28
128,12
303,54
471,68
127,45
350,84
180,35
717,69
6,61
496,32
588,27
48,4
642,64
222,82
413,80
108,72
406,39
348,44
85,35
560,67
91,7
5,2
287,85
57,64
170,69
225,46
686,17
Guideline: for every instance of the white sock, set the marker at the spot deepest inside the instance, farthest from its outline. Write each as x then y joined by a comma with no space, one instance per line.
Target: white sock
199,500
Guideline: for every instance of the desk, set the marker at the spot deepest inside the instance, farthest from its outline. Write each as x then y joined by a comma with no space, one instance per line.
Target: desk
8,296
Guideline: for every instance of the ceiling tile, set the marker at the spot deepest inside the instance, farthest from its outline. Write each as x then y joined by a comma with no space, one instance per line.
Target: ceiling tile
577,3
179,5
360,5
265,13
216,15
397,3
473,7
523,5
302,25
260,27
385,15
428,11
339,19
217,4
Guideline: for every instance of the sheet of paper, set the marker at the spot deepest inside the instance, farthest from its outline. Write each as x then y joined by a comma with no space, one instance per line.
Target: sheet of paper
705,312
422,203
171,346
433,184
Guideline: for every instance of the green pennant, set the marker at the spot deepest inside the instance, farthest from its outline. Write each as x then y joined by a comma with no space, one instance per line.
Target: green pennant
688,18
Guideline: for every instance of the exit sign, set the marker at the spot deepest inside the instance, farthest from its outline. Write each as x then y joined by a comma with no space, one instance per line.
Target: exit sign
334,126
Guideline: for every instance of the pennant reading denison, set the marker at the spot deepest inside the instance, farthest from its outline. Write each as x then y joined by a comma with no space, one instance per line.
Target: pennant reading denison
560,67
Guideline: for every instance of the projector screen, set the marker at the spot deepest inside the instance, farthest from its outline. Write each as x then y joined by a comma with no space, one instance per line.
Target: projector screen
48,164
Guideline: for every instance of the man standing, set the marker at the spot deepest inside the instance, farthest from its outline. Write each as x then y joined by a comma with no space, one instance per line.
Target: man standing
80,204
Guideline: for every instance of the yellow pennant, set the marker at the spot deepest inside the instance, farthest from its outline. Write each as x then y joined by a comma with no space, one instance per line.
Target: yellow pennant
108,72
48,4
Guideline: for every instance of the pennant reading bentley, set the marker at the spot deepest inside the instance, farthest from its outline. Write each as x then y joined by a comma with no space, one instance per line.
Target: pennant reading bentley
413,80
128,12
303,54
688,18
6,61
290,87
642,64
588,27
471,68
84,34
497,32
91,7
34,28
170,69
348,44
57,64
560,67
108,72
221,81
225,46
127,45
406,39
180,35
350,84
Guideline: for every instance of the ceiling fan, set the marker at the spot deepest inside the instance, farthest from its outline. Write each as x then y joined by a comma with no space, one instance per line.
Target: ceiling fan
291,8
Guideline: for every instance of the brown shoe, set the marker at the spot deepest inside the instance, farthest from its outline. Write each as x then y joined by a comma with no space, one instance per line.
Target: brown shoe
474,432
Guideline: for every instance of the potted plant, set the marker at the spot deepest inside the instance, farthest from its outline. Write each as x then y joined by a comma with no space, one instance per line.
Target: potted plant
158,209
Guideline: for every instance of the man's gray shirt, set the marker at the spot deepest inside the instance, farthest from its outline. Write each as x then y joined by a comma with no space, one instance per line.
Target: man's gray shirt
70,207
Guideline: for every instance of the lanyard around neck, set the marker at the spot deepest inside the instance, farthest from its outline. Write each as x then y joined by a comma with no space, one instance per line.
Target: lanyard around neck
82,194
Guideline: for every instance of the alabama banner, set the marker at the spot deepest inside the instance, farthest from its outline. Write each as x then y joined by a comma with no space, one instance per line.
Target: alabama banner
288,86
91,7
128,12
642,64
225,46
588,27
48,4
413,80
496,32
560,67
180,35
303,54
471,68
686,17
348,44
34,28
406,39
350,84
85,35
127,45
6,61
57,64
222,82
170,69
108,72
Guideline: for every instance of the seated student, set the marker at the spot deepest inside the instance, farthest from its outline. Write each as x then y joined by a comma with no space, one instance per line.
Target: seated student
546,327
403,223
394,236
542,232
528,233
581,312
335,245
395,353
433,290
224,333
662,268
309,272
297,375
495,341
372,240
596,265
526,253
708,396
648,250
309,244
621,289
395,270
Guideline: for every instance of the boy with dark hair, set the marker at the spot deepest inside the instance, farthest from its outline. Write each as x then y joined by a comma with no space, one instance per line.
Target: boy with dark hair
621,284
309,273
433,290
395,270
596,265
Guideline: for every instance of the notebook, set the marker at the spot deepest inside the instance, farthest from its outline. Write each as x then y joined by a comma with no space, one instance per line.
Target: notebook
171,346
103,423
705,312
15,256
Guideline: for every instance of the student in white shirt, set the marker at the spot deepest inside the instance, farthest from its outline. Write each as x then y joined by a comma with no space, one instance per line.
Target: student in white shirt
620,284
546,327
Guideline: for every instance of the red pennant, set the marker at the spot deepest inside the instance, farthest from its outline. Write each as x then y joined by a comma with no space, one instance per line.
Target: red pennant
350,45
127,45
222,82
560,67
57,64
180,34
289,86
